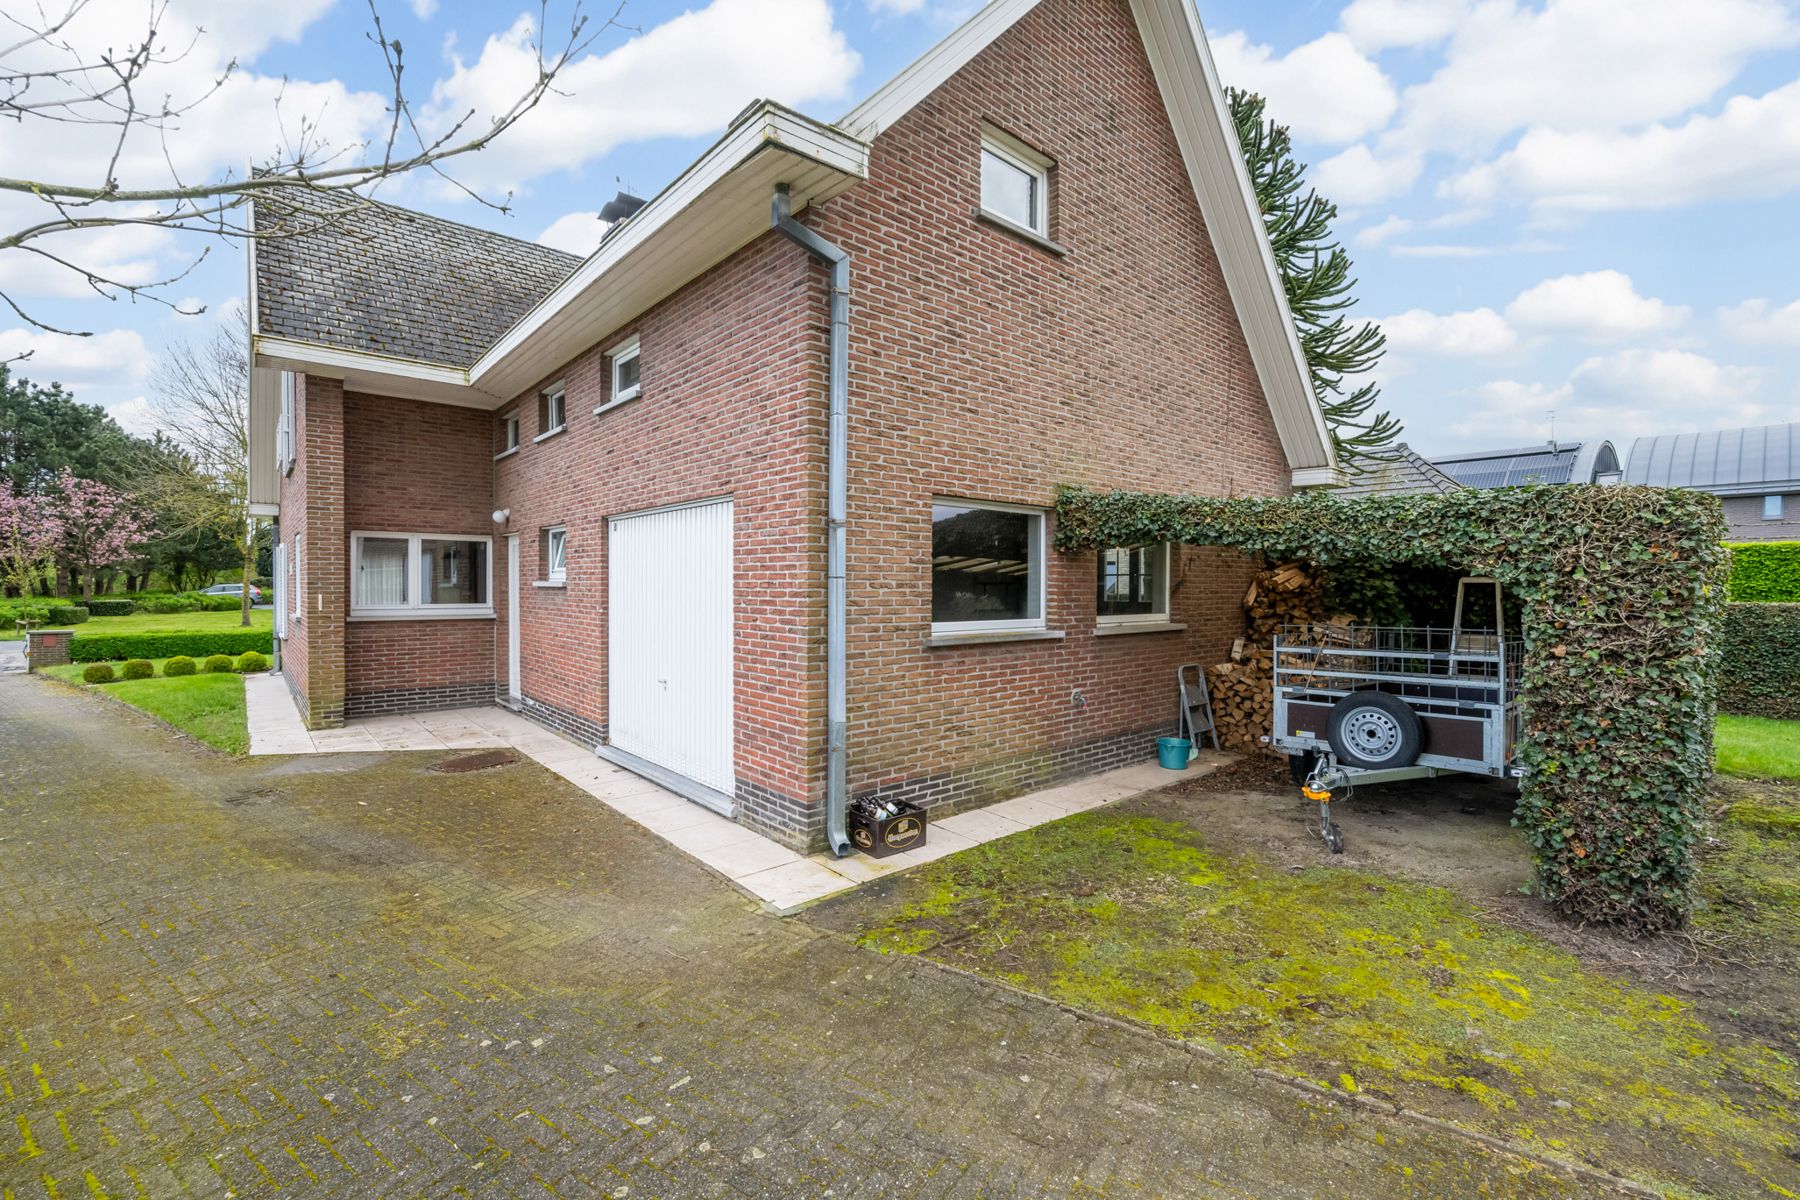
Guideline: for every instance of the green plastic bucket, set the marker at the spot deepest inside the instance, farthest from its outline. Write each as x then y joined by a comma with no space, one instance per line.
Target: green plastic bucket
1173,752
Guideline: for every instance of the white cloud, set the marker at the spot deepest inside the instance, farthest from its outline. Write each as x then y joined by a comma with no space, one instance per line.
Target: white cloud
1478,333
1750,149
898,7
576,232
1755,322
1601,304
1358,176
135,416
424,9
683,78
1585,66
1325,90
1666,377
129,254
1382,231
117,358
1381,24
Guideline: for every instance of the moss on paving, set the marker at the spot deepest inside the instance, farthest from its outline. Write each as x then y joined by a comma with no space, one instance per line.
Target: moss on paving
1359,982
1750,888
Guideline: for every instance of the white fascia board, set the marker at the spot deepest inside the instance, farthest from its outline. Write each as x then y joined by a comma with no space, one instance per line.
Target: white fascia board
1310,477
766,124
1176,44
377,374
899,95
265,510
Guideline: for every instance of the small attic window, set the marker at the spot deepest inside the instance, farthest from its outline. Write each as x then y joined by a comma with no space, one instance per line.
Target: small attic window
1015,182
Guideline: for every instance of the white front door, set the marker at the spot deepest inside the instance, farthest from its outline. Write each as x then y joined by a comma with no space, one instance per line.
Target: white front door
513,601
669,643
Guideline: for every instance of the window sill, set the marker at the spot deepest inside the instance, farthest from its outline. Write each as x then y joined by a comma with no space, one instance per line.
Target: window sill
1020,231
550,583
506,454
425,614
548,434
976,638
627,398
1109,628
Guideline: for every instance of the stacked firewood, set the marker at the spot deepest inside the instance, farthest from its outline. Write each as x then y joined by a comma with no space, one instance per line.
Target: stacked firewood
1242,689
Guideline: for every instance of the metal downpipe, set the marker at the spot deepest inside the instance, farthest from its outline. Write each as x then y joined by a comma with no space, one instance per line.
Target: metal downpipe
837,472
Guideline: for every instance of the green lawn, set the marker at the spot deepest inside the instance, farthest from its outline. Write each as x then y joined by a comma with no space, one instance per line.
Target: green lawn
209,706
210,622
1758,747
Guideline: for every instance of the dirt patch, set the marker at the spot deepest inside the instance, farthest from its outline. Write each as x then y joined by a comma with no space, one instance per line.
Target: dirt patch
485,760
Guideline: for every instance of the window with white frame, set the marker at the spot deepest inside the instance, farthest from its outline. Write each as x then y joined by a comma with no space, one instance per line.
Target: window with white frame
556,554
420,575
552,411
987,567
625,386
1015,182
1772,508
509,434
1133,583
299,557
284,427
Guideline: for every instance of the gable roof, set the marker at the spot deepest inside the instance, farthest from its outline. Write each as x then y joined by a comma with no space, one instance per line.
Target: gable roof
1176,45
720,204
1751,461
391,271
1398,471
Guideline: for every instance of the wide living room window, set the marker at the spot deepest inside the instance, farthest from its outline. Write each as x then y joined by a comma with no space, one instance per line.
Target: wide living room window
420,575
987,567
1134,584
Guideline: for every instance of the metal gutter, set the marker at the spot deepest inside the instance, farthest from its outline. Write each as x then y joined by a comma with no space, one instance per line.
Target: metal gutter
837,472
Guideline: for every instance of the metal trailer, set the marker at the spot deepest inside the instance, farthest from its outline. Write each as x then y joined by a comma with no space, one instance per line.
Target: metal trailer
1379,703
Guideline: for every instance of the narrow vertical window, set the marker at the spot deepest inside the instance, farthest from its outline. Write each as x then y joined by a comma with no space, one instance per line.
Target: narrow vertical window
1772,508
1015,183
625,386
552,413
556,555
299,558
509,434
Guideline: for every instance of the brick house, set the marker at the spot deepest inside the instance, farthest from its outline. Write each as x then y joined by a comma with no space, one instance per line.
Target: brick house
1755,472
682,503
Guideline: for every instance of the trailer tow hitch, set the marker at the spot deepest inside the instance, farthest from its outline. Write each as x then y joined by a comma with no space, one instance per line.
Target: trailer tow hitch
1317,788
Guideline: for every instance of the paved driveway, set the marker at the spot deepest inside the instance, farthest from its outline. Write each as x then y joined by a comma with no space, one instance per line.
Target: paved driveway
352,976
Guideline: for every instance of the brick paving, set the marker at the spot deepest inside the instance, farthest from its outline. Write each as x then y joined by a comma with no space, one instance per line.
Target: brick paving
350,975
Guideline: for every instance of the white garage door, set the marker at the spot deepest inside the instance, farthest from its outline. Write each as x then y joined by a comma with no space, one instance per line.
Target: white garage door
669,640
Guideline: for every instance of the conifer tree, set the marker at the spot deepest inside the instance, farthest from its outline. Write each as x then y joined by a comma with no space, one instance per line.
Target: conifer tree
1316,273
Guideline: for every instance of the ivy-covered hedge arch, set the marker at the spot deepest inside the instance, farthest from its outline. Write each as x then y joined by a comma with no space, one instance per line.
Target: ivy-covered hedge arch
1621,589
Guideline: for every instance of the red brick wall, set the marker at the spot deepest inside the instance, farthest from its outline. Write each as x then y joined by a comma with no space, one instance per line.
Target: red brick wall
413,467
986,367
312,505
732,405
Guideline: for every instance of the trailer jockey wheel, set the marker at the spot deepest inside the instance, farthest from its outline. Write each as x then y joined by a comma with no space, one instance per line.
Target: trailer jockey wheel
1328,828
1376,730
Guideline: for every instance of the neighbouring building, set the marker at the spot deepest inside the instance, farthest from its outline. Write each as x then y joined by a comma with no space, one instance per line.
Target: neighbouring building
1755,472
605,492
1396,470
1552,462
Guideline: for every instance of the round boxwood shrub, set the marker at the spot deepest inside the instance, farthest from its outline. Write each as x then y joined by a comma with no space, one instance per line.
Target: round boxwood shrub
138,668
250,661
67,614
218,662
97,673
180,665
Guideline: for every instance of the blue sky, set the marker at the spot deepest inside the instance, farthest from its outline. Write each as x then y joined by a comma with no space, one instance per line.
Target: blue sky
1578,206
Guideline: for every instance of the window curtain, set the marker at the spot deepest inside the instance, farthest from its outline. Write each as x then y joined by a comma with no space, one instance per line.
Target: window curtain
381,579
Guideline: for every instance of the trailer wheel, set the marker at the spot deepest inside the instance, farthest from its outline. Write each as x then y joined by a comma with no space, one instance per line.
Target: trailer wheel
1375,730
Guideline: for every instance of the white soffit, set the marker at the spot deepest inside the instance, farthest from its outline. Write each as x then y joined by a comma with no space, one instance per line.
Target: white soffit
714,208
1176,44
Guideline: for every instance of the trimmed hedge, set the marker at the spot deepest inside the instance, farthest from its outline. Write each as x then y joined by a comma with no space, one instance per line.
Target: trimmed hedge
1765,572
1620,591
106,647
67,614
111,608
1759,663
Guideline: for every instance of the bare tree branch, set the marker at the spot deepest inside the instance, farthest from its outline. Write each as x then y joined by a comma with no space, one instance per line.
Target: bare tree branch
44,77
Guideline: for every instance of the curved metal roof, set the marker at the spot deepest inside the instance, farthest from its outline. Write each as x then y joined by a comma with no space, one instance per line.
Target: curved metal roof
1551,462
1756,459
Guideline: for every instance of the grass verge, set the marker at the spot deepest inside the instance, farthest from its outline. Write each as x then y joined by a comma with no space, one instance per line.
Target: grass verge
1758,747
208,705
186,622
1357,982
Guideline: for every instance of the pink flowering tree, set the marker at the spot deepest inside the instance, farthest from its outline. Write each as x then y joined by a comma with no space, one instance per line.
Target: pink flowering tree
29,536
100,526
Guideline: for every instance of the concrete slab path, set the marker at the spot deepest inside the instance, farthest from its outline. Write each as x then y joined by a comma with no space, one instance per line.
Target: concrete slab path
765,868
